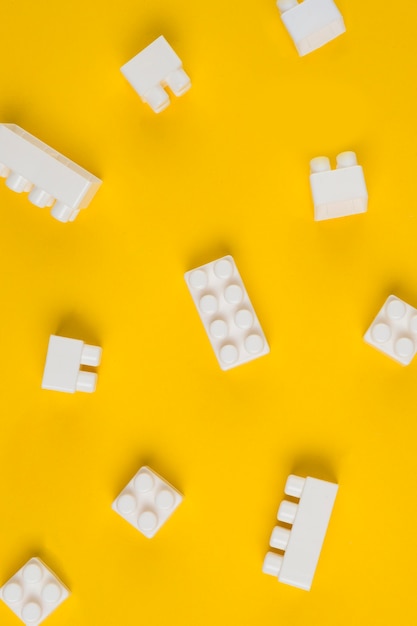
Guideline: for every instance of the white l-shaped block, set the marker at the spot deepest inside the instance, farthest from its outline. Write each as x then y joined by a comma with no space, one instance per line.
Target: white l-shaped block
303,543
51,179
156,67
311,23
63,362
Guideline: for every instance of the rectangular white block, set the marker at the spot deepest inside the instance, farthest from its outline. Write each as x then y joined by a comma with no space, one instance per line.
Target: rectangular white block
63,362
394,330
227,314
311,23
147,501
303,543
33,593
51,179
339,192
156,67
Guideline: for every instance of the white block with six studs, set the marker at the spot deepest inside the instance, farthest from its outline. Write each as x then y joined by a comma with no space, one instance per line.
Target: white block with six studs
63,362
147,502
34,592
227,314
394,330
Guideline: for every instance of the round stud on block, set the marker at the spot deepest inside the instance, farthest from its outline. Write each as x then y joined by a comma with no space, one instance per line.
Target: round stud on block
272,564
147,521
126,503
396,309
287,512
286,5
381,332
223,269
233,294
91,355
12,592
51,593
244,319
17,183
157,98
165,499
32,573
86,381
61,212
4,171
40,198
229,354
198,279
319,164
294,486
218,329
179,82
208,304
254,344
31,612
144,482
413,324
404,347
279,538
346,159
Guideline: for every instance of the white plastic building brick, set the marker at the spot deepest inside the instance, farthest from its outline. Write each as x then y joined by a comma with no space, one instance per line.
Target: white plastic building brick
339,192
303,543
394,330
156,67
50,178
63,361
34,592
147,502
227,313
311,23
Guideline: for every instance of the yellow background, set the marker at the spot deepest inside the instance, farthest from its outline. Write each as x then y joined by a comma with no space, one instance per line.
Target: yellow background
223,170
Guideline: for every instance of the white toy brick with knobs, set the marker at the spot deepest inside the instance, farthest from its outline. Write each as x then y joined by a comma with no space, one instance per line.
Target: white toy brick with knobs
394,330
33,593
227,314
311,23
51,179
147,502
339,192
303,543
63,362
156,67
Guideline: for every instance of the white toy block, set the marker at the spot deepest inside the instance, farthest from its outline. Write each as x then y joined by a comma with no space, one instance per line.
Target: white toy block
394,330
156,67
311,23
33,593
147,502
227,314
63,361
339,192
51,179
303,543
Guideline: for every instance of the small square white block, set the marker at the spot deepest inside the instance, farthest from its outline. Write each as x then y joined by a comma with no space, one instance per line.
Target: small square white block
50,178
339,192
33,593
227,314
156,67
63,362
311,23
303,543
394,330
147,502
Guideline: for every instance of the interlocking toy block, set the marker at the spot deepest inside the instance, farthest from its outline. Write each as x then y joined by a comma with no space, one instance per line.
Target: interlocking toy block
303,543
156,67
394,330
147,502
227,314
339,192
34,592
311,23
63,361
50,178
